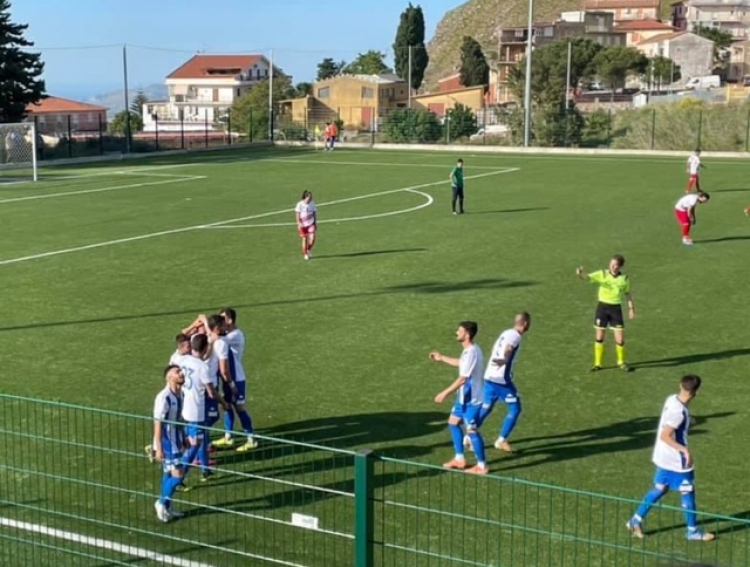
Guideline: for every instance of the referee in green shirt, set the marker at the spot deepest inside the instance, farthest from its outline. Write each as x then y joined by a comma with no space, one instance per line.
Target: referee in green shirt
614,289
457,187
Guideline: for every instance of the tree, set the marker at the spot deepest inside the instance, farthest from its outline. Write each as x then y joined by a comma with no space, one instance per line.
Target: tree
303,89
329,68
137,104
663,71
474,68
119,124
614,64
461,122
370,62
407,125
250,112
722,40
410,34
20,72
549,70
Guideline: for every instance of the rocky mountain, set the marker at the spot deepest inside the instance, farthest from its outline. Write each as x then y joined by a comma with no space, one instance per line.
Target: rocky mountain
114,101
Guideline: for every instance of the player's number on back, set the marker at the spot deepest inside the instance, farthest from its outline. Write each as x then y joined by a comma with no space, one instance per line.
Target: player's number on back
188,372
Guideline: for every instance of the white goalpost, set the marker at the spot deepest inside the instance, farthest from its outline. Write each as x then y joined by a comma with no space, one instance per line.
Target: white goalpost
18,153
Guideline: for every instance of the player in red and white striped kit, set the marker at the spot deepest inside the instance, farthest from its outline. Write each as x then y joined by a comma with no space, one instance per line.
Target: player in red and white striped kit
307,219
684,210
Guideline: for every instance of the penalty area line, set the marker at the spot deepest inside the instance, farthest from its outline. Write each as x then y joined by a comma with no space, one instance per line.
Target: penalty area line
168,232
100,543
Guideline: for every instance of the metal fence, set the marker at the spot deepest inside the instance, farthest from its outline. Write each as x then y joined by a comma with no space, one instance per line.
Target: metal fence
77,489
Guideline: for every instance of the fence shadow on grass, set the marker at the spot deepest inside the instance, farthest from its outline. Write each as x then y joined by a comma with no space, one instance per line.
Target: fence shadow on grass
693,358
631,435
508,211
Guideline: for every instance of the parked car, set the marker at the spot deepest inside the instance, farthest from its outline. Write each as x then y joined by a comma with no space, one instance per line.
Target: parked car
493,130
746,81
704,82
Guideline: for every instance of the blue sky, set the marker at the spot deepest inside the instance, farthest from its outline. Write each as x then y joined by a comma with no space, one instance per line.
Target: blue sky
300,32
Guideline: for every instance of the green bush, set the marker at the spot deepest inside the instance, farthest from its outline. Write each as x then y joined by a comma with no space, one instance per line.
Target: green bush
406,125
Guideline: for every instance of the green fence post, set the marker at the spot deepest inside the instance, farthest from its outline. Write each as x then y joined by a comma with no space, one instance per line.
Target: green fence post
250,126
609,127
700,127
653,128
747,131
364,509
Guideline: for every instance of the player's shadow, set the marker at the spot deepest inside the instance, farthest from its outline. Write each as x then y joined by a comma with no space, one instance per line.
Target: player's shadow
369,253
508,211
725,525
693,358
449,287
732,190
723,239
631,435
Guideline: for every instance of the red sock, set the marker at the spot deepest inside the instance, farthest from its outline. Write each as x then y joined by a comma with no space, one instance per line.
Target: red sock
685,231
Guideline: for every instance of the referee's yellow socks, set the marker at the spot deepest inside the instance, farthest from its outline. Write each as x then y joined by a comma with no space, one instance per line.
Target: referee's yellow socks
598,353
620,349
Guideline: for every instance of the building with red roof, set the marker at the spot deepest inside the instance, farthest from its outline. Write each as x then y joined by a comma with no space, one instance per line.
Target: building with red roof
54,115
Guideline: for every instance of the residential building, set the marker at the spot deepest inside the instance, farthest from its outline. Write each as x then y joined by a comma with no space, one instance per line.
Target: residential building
597,26
56,116
694,54
637,31
626,9
731,16
357,100
444,100
739,61
203,88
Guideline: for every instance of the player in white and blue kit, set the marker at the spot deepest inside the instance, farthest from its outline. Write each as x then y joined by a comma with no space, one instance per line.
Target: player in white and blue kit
498,378
469,388
198,389
674,463
169,439
235,395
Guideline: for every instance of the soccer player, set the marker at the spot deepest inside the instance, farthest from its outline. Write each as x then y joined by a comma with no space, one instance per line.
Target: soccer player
684,210
231,392
747,211
674,463
693,168
457,187
498,378
197,389
168,435
614,288
235,339
469,388
306,215
183,348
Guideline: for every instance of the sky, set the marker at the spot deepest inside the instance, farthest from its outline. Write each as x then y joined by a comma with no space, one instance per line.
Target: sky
81,41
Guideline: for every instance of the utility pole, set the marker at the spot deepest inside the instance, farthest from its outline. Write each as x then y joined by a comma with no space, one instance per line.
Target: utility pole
127,97
409,78
527,86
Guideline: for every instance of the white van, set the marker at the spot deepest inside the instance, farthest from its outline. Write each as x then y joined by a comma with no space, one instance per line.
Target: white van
704,82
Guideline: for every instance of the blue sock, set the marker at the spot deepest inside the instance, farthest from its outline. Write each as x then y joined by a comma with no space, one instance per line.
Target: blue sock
246,421
203,454
190,455
651,498
689,507
457,434
228,421
509,423
169,484
477,443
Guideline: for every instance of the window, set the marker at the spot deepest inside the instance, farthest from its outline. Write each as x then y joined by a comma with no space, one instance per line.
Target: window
325,92
239,93
368,92
265,72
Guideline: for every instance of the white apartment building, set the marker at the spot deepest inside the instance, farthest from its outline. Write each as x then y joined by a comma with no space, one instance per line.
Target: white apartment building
732,16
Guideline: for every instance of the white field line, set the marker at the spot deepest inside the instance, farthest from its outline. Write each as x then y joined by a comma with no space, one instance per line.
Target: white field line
101,189
429,200
101,544
377,164
229,221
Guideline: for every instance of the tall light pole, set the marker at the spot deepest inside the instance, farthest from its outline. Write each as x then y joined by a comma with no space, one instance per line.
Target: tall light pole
527,88
409,78
270,97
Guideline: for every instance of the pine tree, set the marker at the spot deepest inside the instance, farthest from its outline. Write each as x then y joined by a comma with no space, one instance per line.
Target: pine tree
474,68
138,102
411,32
20,72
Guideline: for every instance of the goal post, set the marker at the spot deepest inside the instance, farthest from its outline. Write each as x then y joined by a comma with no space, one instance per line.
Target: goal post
18,153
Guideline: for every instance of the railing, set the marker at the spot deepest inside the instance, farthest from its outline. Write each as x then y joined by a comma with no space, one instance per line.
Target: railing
77,489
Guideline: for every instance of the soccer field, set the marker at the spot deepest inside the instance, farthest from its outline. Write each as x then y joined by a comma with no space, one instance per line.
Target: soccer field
102,265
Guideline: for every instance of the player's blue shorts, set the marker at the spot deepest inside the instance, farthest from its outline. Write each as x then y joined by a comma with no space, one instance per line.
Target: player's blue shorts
468,413
212,412
494,393
194,429
678,481
230,398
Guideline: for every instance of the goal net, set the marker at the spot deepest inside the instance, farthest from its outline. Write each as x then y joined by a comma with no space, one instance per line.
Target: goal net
18,153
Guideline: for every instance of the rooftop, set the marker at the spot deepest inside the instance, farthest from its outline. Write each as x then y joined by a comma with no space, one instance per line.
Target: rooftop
643,25
58,105
616,4
382,79
662,37
205,66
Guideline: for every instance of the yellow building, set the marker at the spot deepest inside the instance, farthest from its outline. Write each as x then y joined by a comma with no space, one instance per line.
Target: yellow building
441,102
356,100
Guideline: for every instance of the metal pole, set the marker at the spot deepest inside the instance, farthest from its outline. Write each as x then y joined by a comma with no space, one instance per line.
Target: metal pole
270,99
671,78
409,79
527,88
34,164
567,79
127,98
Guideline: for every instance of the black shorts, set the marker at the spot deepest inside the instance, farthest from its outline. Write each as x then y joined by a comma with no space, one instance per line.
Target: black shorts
608,315
458,192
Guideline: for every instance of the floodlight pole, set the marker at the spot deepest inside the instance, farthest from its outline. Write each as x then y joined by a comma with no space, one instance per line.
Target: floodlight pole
127,97
567,78
270,99
527,88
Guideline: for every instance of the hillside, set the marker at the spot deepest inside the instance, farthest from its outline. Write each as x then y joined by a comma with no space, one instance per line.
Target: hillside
480,18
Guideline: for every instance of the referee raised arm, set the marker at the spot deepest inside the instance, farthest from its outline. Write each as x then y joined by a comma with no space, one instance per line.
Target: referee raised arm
614,289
